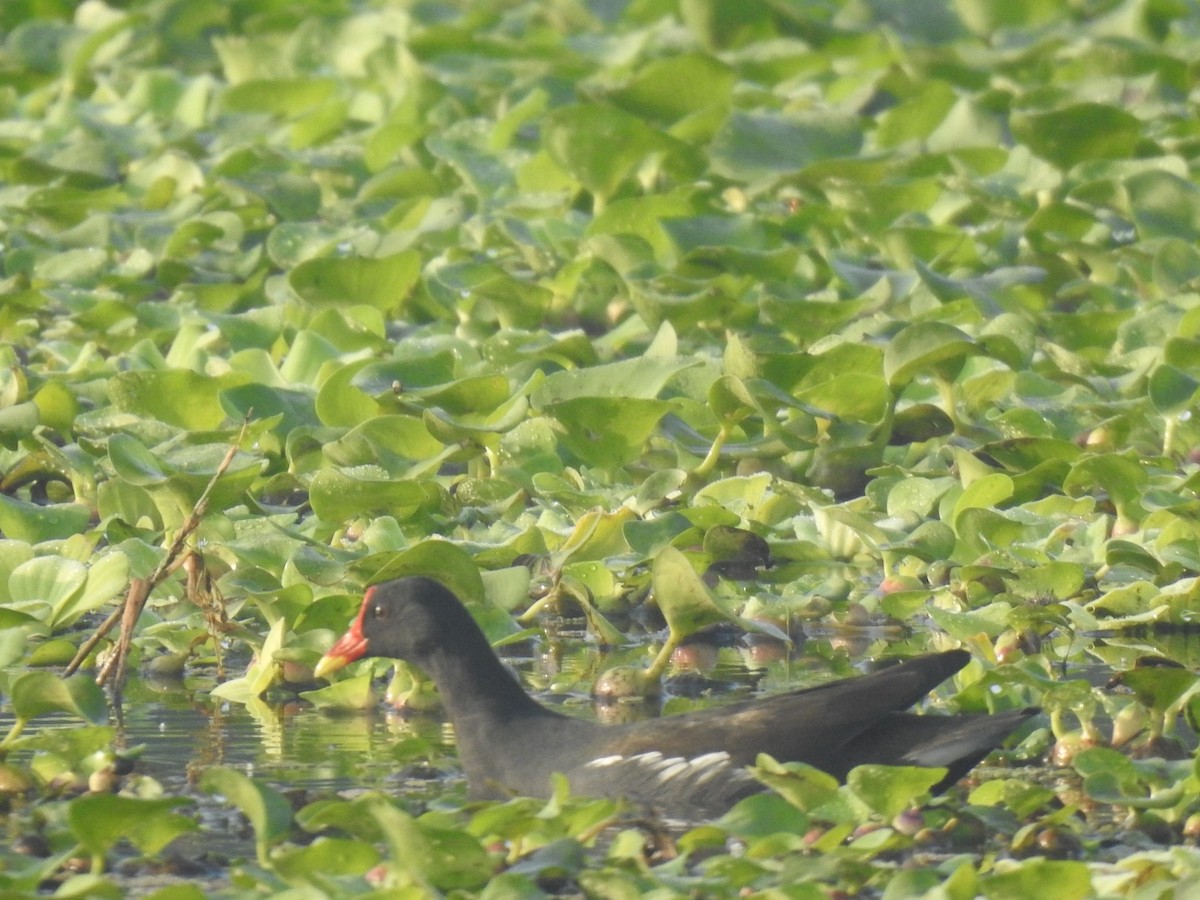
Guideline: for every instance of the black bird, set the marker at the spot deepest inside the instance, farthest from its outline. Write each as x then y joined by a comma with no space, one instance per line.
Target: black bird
690,765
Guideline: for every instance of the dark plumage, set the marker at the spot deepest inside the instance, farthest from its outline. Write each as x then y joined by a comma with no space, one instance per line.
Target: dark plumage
690,765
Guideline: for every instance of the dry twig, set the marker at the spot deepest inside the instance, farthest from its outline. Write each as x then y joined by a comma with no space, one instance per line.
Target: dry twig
113,670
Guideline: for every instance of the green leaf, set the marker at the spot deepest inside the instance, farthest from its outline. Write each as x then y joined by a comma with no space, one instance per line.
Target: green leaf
642,378
755,146
279,96
987,492
447,562
47,579
38,693
1157,687
100,821
348,693
682,595
889,790
805,787
599,145
178,397
925,348
672,87
1078,132
383,282
325,857
268,811
604,431
1164,205
36,522
341,494
1038,878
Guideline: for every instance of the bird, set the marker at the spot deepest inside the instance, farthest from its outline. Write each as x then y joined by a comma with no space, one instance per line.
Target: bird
690,766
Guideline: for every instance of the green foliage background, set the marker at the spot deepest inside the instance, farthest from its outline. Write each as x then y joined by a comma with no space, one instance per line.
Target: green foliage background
906,290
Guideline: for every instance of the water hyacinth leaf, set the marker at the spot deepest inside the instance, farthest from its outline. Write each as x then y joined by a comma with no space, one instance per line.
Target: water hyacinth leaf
928,541
306,357
177,397
278,96
134,462
414,369
348,693
284,409
53,652
1120,476
107,577
383,282
597,535
345,815
268,811
261,674
643,217
986,18
1054,579
1176,266
480,393
762,815
563,858
100,821
930,348
918,423
34,523
1020,454
686,602
46,579
805,787
18,422
1157,687
1020,798
475,429
670,88
1078,133
730,400
393,442
340,494
447,562
736,552
641,378
1171,390
432,857
1063,880
682,596
991,620
12,644
1164,205
889,790
987,492
326,856
916,495
753,147
604,431
38,693
1128,600
1134,790
1127,553
600,145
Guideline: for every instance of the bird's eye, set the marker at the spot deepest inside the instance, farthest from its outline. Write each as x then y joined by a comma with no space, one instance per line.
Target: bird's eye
380,612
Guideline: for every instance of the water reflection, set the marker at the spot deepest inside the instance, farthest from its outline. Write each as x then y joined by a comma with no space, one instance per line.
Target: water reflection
291,745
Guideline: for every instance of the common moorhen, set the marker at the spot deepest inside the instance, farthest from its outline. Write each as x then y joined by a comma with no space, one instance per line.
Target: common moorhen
690,765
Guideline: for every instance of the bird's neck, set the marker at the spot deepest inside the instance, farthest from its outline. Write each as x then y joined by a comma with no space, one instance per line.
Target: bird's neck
475,685
482,699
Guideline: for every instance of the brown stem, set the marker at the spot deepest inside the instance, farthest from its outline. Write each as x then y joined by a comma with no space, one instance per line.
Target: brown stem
113,670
